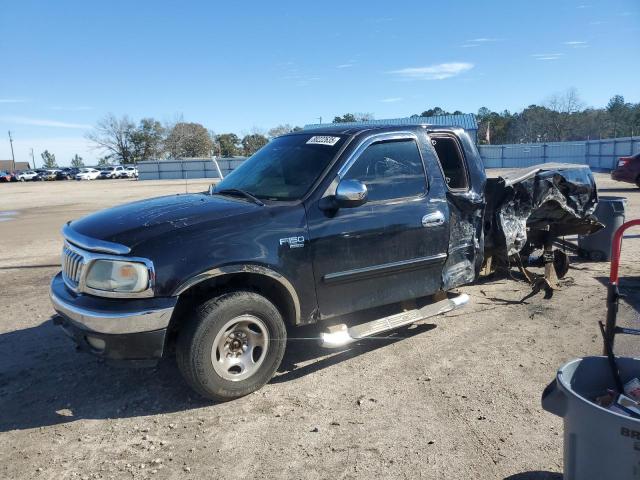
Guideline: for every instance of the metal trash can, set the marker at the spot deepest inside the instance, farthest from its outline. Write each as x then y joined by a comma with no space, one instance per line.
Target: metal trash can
598,444
610,212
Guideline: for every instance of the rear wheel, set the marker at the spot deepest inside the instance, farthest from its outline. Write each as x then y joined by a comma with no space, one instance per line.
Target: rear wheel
232,345
638,181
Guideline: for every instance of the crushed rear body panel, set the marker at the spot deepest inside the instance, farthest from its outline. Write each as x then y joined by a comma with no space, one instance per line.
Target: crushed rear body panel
542,201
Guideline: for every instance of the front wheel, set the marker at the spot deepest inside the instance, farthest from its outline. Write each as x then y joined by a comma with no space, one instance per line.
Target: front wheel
232,345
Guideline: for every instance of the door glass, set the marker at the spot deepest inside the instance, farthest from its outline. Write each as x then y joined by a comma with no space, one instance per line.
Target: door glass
390,170
451,161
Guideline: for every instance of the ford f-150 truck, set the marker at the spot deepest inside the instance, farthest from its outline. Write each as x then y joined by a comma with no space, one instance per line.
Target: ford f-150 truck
318,224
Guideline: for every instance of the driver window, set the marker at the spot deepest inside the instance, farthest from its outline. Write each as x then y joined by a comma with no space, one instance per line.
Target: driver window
390,170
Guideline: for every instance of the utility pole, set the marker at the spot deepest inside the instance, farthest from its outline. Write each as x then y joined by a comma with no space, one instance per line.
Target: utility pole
13,158
33,159
320,120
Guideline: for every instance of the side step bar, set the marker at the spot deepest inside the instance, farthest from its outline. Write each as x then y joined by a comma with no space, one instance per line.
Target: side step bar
339,335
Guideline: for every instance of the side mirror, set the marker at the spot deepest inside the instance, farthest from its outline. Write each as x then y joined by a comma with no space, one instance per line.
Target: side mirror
351,193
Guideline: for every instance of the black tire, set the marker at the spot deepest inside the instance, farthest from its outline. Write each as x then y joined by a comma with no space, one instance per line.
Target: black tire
638,181
195,344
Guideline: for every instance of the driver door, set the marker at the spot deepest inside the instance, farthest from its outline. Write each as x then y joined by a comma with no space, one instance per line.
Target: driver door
390,249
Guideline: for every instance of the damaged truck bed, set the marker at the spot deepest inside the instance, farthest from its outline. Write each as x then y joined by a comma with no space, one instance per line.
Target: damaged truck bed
529,208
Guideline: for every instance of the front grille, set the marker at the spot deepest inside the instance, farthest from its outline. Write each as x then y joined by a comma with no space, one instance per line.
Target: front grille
72,263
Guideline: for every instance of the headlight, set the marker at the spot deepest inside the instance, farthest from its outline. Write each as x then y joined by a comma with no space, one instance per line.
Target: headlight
118,276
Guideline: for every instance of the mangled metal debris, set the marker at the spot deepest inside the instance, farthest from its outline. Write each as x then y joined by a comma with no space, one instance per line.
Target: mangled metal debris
527,209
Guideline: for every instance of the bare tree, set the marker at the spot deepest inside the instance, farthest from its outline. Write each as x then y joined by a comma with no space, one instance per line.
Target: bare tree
563,105
282,129
252,143
112,135
566,102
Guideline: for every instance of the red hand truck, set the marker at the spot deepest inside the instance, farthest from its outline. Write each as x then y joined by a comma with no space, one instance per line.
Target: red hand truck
613,293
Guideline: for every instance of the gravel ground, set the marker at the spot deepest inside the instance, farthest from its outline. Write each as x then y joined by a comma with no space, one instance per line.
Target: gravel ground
457,396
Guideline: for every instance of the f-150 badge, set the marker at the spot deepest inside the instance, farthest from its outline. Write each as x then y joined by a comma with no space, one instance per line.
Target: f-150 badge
293,242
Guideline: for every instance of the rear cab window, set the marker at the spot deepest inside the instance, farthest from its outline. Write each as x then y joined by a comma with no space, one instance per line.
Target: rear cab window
452,161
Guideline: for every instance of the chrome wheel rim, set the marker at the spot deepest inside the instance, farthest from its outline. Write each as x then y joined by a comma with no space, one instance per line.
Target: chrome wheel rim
240,347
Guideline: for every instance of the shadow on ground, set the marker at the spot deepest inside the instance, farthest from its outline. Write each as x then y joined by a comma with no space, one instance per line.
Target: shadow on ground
535,476
618,189
301,349
44,381
629,288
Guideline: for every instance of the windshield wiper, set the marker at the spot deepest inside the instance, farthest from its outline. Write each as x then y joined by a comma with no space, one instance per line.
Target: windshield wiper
242,193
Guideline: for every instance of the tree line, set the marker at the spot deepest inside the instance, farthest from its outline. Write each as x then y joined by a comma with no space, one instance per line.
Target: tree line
562,117
125,141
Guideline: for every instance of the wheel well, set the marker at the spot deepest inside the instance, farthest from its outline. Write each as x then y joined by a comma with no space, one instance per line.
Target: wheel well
266,286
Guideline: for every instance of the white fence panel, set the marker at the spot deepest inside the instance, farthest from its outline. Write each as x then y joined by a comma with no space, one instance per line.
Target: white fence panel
598,154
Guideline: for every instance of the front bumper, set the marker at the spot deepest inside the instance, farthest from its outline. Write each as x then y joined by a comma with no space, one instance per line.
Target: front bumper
125,329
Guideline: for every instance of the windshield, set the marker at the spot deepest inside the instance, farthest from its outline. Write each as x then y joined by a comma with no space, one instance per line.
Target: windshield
285,168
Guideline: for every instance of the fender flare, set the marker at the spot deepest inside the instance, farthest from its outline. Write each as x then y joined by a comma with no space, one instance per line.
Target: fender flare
243,268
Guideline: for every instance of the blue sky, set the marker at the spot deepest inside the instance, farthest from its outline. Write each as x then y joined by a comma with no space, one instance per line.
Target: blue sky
245,66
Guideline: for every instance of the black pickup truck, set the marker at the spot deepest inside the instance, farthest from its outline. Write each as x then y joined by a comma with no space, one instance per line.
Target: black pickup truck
316,225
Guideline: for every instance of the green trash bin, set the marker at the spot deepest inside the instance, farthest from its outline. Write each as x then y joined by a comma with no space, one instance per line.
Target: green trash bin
598,444
610,212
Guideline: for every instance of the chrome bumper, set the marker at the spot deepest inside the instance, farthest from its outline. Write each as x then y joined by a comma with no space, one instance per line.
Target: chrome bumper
110,316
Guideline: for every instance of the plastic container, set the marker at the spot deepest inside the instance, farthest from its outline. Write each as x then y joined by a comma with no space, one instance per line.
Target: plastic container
598,444
610,212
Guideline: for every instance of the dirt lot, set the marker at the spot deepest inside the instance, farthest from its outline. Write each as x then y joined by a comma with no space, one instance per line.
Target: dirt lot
455,397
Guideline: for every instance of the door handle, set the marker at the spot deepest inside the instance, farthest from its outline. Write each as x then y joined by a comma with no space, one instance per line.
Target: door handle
434,219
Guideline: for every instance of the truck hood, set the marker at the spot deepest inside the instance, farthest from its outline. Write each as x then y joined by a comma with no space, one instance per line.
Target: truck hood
133,223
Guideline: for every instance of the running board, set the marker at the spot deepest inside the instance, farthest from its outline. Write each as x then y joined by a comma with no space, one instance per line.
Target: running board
339,335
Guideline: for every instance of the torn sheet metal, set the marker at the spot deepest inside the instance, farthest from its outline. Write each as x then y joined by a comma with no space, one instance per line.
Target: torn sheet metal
531,204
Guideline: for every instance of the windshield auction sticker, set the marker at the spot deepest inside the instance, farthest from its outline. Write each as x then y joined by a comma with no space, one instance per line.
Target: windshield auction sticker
323,140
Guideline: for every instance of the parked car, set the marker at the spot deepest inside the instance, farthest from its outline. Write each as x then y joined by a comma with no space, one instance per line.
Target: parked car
28,176
117,171
317,225
50,175
628,170
67,173
131,172
88,174
5,176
